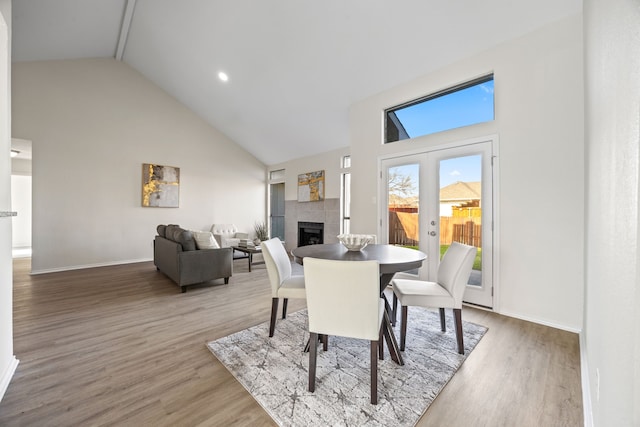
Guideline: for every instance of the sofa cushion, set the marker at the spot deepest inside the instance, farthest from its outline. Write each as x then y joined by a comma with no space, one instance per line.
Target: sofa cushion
170,232
162,230
185,238
204,240
180,235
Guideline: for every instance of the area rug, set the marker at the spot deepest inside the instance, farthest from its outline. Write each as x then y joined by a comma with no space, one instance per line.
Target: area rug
275,372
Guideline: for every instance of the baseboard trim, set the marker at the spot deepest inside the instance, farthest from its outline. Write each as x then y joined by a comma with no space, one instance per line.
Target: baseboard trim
586,385
7,375
541,322
82,267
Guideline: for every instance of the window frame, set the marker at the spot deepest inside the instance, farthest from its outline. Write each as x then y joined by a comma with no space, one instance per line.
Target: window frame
389,113
345,194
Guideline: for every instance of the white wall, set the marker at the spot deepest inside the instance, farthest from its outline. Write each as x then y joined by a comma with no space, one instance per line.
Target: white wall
21,167
327,211
330,162
612,307
93,123
21,203
8,361
539,121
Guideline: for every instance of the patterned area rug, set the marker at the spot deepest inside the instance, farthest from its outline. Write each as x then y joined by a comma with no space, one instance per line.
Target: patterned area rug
275,372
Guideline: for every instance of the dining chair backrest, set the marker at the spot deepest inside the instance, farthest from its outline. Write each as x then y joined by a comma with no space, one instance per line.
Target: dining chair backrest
343,297
455,268
277,262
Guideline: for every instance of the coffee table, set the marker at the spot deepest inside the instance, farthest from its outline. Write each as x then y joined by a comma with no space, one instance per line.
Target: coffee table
249,251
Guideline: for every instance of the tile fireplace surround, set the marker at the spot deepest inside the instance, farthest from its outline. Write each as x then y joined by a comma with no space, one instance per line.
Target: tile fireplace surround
326,212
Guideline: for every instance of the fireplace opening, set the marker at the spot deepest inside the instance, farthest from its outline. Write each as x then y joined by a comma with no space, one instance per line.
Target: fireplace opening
310,233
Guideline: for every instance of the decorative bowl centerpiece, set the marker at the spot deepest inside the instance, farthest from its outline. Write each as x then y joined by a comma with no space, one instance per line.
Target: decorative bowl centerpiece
354,242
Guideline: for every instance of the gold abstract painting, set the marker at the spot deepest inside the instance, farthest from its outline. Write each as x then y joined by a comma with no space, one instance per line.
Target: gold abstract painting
311,186
160,186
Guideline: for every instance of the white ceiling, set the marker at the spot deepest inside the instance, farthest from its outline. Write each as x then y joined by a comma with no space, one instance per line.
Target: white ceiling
294,66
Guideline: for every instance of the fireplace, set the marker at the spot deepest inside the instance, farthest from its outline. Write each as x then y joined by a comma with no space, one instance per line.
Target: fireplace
310,233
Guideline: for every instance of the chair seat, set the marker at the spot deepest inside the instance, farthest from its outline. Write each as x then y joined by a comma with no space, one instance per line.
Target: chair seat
402,275
293,287
421,293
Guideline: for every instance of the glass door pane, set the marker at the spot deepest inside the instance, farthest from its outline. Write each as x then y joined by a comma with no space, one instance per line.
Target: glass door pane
403,205
463,180
461,207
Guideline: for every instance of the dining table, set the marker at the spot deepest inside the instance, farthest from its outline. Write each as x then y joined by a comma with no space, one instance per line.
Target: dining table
391,260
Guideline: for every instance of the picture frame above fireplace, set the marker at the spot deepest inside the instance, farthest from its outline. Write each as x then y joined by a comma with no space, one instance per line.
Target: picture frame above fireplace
311,186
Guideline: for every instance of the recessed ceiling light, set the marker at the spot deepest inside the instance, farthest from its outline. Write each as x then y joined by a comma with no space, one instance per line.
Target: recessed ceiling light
223,76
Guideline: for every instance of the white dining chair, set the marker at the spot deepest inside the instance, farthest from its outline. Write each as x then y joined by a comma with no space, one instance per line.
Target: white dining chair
420,274
453,275
343,299
283,284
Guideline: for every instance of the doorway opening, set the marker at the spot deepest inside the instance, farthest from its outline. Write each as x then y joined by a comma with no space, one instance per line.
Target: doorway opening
21,197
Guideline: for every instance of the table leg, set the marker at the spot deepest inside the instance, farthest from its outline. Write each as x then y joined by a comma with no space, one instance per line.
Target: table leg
390,337
392,343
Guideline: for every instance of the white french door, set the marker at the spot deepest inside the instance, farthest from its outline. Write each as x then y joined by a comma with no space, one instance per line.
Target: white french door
436,197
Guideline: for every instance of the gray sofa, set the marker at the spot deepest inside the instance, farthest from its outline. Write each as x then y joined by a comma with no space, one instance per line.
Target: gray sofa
175,254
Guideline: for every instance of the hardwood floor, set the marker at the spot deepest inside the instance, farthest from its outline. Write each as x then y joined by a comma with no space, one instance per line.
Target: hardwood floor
122,346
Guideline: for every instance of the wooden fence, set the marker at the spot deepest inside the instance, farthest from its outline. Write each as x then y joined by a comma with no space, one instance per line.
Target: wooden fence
463,230
404,231
397,233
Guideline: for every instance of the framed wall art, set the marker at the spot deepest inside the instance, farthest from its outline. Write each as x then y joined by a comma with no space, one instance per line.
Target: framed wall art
311,186
160,186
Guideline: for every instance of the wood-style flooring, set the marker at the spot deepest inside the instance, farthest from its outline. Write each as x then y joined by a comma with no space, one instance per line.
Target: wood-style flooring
122,346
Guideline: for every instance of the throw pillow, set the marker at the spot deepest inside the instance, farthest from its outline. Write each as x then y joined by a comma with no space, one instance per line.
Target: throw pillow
170,232
205,240
185,238
161,230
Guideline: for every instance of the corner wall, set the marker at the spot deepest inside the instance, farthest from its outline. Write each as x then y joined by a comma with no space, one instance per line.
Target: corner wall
327,211
612,285
539,121
93,123
8,361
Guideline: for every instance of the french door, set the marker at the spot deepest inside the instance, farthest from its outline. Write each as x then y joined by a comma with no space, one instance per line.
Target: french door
434,198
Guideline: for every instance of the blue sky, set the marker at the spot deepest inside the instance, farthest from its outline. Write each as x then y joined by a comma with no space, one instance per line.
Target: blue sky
464,169
462,108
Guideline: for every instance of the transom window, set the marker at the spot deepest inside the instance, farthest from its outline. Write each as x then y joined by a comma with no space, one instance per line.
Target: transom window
462,105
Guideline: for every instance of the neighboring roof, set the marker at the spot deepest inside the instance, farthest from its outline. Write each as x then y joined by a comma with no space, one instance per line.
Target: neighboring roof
459,191
395,200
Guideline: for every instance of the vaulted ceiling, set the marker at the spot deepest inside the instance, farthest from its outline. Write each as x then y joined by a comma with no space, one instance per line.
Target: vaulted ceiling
294,66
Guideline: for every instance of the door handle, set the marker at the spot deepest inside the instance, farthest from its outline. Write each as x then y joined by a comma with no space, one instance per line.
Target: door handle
7,214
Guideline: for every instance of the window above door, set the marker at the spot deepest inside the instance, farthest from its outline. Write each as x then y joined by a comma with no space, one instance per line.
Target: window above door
462,105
